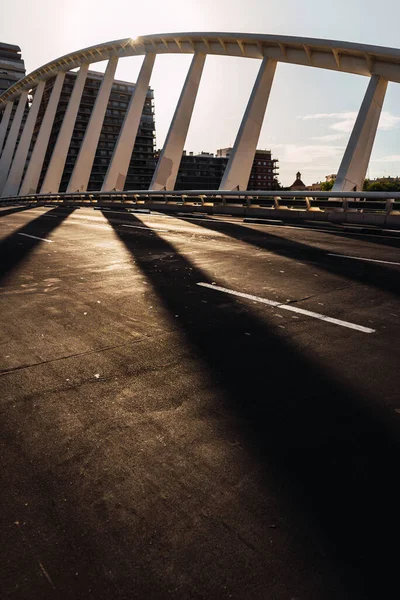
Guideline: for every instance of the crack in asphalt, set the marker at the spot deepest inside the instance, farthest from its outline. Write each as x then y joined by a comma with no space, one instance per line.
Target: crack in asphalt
345,287
86,353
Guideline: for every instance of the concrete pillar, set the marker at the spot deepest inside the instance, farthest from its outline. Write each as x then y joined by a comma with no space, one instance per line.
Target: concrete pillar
32,175
4,123
52,178
119,165
237,172
354,165
17,168
168,164
83,165
6,157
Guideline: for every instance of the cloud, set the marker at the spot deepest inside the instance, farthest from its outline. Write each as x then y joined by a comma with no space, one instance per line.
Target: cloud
311,153
345,121
388,159
345,125
339,115
388,121
332,137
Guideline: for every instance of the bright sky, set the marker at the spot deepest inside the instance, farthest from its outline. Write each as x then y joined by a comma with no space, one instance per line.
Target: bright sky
310,112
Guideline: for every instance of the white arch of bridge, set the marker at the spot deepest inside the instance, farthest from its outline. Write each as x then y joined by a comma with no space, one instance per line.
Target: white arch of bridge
20,175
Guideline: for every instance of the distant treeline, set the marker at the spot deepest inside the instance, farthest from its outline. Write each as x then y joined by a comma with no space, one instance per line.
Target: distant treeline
381,185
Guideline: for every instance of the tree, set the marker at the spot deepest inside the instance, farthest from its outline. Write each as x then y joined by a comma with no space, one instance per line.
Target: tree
326,186
385,185
367,183
276,185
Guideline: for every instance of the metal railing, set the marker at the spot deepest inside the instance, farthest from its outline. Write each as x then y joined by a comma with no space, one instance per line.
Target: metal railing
368,207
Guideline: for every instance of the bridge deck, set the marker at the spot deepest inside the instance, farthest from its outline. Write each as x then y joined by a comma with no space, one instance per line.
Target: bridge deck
162,439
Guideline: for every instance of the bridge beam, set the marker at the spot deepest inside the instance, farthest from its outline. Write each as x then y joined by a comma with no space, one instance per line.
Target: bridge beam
354,165
17,168
119,165
84,162
32,175
6,157
237,172
4,123
170,158
52,178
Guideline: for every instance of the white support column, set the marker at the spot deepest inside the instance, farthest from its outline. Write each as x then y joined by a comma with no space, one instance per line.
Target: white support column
4,123
17,168
6,157
32,175
84,162
164,177
237,172
119,165
52,178
354,165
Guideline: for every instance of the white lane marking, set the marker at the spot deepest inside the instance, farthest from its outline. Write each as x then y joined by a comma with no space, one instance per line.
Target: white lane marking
373,235
88,218
149,228
385,262
218,219
92,225
36,238
239,222
295,309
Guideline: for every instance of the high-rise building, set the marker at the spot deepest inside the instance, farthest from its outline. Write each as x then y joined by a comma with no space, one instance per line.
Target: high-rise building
204,171
142,160
200,171
264,172
12,66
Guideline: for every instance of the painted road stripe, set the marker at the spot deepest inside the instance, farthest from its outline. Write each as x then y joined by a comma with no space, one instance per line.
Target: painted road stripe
149,228
241,222
295,309
385,262
36,238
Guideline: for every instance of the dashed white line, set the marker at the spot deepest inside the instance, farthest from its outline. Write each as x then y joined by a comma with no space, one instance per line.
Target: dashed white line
385,262
148,228
240,222
295,309
36,238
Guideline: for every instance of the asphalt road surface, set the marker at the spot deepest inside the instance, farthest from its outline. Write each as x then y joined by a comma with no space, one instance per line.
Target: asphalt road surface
164,439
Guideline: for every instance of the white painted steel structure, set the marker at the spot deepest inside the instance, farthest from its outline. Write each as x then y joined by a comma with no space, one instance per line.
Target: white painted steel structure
167,167
379,64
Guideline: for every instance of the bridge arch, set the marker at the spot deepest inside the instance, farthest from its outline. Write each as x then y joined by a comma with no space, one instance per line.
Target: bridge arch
20,175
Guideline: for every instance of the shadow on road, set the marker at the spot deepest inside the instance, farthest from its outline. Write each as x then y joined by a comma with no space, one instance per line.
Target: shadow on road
380,276
379,239
11,210
327,449
15,248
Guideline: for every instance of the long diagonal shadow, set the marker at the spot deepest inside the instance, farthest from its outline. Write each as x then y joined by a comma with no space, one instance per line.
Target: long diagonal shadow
328,447
14,209
13,251
380,276
378,239
371,236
